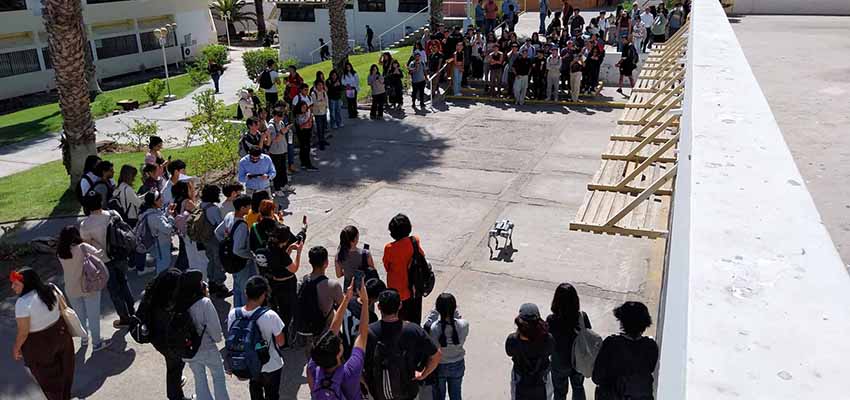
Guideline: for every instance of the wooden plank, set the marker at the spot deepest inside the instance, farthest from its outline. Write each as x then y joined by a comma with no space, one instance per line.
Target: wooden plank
649,191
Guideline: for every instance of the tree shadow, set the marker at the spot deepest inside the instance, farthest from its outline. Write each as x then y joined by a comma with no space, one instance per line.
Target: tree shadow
294,375
17,137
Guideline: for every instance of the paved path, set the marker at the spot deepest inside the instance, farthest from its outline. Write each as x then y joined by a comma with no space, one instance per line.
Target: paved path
22,156
454,173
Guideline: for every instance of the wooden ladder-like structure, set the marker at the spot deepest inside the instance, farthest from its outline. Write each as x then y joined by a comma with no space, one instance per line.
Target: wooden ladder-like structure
630,194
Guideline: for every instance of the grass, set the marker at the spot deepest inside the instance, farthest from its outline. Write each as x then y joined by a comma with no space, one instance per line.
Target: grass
43,191
37,121
361,64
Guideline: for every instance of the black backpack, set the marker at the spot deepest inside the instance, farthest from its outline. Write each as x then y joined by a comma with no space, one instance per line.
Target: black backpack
120,239
265,80
181,337
230,262
309,318
420,275
532,377
389,375
79,189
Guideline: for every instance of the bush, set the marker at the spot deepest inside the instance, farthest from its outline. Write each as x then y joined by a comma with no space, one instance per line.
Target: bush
102,105
136,134
154,90
215,52
255,61
197,74
220,137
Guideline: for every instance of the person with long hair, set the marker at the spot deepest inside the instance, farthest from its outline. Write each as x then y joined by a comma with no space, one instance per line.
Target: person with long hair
563,323
266,223
379,93
72,251
395,87
626,360
193,297
304,132
43,340
335,92
210,197
530,347
350,258
352,85
127,197
185,204
274,262
450,332
161,226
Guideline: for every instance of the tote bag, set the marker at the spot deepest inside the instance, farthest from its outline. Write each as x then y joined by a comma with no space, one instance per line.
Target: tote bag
75,328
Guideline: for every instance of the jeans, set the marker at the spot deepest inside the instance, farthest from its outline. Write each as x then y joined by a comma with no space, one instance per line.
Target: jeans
88,309
520,88
215,272
280,179
378,101
552,85
215,77
174,378
335,113
542,29
138,260
290,154
304,136
271,100
119,291
208,359
449,376
418,92
457,75
268,383
239,280
351,104
638,42
321,129
564,376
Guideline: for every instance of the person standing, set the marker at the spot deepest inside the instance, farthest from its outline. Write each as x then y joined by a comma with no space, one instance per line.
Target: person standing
521,67
293,84
627,64
326,293
659,27
370,34
72,252
458,60
275,263
479,15
647,18
269,79
638,33
395,85
324,50
576,24
495,60
210,196
416,69
233,225
43,340
184,204
279,132
352,85
160,226
304,132
379,94
530,347
319,96
563,325
675,19
576,66
335,92
450,332
626,361
193,296
544,13
491,12
396,259
93,231
349,258
215,70
553,74
256,170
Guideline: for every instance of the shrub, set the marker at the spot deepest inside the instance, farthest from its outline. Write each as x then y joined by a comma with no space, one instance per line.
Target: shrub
154,89
197,74
215,52
255,61
102,105
137,133
220,137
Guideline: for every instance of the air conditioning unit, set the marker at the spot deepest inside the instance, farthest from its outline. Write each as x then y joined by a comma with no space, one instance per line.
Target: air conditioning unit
190,52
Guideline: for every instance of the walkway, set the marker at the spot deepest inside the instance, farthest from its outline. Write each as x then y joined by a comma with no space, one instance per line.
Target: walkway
22,156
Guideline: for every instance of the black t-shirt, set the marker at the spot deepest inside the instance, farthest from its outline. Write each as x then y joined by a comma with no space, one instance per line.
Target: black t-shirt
411,338
273,262
621,356
335,89
351,326
577,22
531,364
435,62
564,335
522,65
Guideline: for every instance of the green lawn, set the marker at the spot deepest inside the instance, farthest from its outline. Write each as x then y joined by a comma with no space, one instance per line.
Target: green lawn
361,64
37,121
43,191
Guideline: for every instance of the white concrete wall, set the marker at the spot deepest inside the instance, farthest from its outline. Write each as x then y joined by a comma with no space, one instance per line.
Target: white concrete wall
298,39
192,17
268,9
831,7
756,301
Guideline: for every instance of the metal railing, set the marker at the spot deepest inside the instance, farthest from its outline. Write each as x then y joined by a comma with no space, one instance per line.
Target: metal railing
431,83
351,45
381,36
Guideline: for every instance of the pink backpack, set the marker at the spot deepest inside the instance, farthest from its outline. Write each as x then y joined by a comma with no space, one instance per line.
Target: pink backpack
95,274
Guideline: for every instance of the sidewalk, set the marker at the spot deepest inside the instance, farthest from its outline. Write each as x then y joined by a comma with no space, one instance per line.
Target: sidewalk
23,156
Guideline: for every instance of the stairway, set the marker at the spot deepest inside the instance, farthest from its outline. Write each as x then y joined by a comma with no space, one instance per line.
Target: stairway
409,39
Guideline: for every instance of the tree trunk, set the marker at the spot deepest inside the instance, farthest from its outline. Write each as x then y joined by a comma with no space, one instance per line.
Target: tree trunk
91,70
66,40
339,34
231,28
436,17
261,20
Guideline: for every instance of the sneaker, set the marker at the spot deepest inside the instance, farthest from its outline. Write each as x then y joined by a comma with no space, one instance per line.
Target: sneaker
84,341
620,90
119,324
105,343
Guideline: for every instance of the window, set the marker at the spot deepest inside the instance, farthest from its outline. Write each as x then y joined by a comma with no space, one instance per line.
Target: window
12,5
372,5
150,42
411,6
45,53
116,46
19,62
298,13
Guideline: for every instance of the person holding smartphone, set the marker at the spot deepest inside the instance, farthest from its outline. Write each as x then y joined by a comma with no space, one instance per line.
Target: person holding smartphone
256,171
349,258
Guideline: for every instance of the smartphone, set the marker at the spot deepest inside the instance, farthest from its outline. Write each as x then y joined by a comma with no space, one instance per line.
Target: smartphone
358,280
304,220
365,246
169,158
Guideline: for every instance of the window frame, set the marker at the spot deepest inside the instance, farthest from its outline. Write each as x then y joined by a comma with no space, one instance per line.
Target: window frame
372,5
172,42
411,6
5,59
13,7
308,12
135,42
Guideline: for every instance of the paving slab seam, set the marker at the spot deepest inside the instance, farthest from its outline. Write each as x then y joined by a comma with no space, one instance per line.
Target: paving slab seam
585,288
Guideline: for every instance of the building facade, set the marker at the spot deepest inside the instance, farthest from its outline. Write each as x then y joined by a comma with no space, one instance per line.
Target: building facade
120,33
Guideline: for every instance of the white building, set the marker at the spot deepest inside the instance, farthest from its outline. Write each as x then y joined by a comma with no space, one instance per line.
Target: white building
119,31
302,22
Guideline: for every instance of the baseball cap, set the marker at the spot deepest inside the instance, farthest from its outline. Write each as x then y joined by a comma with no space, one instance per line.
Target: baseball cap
529,312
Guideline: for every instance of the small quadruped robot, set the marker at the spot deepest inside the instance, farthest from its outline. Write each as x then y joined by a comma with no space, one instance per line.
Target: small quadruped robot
503,229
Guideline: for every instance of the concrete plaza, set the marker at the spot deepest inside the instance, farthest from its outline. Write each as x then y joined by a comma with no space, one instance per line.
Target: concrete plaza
454,173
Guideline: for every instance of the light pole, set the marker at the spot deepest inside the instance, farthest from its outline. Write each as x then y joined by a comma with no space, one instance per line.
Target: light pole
226,17
163,34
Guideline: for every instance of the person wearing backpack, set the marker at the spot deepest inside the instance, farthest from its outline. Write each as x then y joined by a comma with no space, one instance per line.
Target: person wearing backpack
317,298
331,375
395,352
154,230
251,356
625,363
104,185
210,196
176,170
193,296
155,309
530,347
88,179
268,81
93,230
397,257
72,253
184,205
234,253
563,325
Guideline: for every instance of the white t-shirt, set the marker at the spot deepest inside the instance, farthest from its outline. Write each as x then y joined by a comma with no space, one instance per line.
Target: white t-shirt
274,75
270,326
30,305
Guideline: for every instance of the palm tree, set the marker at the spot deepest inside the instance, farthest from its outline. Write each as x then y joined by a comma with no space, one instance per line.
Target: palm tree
261,20
232,9
436,17
339,33
66,41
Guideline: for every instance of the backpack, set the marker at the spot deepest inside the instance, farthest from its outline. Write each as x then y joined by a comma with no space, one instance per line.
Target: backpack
585,348
247,351
231,262
420,275
368,273
309,318
95,274
120,239
114,204
182,339
389,375
198,226
181,222
329,387
144,237
532,377
265,80
79,189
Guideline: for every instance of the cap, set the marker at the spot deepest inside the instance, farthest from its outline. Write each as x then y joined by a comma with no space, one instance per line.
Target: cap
529,312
